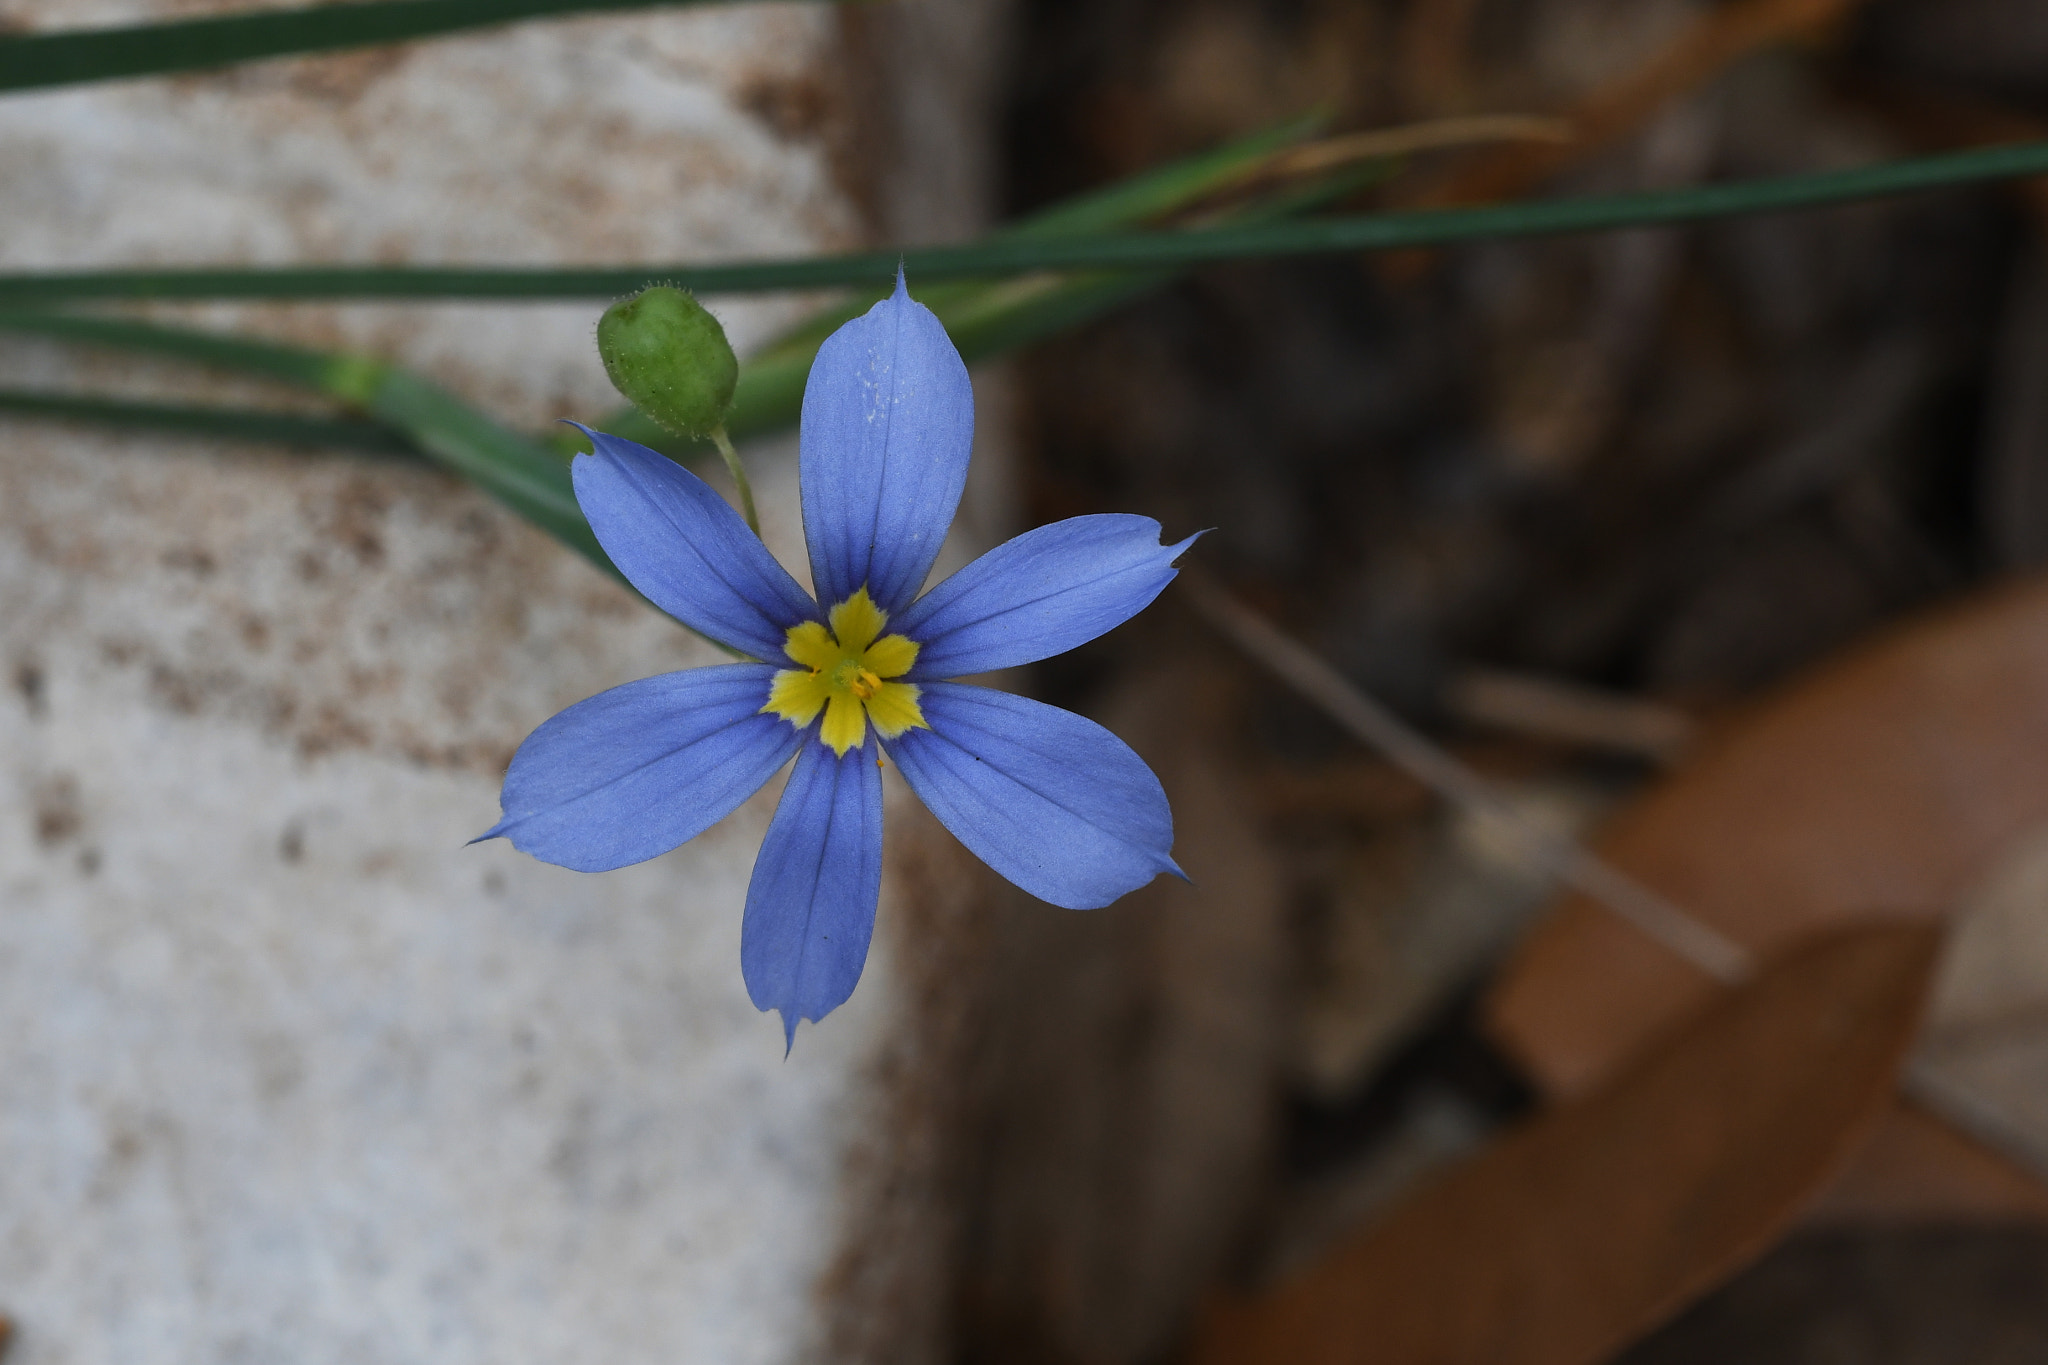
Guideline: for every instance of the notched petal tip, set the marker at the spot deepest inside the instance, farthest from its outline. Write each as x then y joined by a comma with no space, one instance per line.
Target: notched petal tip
1042,593
1052,801
811,902
633,772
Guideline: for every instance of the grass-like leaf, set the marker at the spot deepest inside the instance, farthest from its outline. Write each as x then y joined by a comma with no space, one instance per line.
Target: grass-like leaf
71,56
1016,254
987,318
232,424
520,472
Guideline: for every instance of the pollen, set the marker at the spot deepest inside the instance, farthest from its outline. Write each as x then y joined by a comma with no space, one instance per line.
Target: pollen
845,672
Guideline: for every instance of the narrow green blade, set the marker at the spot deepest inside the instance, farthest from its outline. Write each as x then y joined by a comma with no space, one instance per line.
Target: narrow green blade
984,320
772,382
245,355
233,424
520,472
1163,190
1016,255
71,56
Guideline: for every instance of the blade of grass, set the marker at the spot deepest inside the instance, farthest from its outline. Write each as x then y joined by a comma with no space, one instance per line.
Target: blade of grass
767,406
774,376
984,320
987,319
1004,256
771,381
520,472
1163,190
233,424
70,56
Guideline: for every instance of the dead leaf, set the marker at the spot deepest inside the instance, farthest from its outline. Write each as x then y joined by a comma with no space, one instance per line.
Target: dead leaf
1917,1169
1888,781
1573,1236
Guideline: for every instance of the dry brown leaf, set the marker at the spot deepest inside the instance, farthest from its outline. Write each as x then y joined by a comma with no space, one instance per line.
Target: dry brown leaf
1886,782
1573,1236
1915,1168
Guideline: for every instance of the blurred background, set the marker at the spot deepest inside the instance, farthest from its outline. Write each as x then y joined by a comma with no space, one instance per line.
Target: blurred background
1714,546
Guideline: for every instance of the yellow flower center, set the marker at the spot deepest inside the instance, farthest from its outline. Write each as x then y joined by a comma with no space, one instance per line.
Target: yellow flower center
845,674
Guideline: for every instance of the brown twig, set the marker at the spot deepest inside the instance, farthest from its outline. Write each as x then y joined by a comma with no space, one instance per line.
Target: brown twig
1409,749
1378,144
1726,34
1324,155
1547,708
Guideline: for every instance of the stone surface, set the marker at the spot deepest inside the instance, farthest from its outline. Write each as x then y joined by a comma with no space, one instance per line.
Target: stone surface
286,1071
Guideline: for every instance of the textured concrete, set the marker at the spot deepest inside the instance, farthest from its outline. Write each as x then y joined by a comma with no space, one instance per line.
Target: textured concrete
286,1072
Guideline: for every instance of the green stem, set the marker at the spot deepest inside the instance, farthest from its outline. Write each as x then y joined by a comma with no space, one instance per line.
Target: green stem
739,476
1013,255
232,424
67,57
522,473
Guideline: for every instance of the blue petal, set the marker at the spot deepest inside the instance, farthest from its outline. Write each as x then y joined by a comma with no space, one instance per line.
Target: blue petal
1041,594
631,773
683,546
811,905
888,418
1057,804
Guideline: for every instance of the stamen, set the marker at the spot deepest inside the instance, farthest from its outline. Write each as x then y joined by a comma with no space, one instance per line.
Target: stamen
844,675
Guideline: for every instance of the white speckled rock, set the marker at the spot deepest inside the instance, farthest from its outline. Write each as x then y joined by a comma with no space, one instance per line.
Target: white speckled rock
286,1071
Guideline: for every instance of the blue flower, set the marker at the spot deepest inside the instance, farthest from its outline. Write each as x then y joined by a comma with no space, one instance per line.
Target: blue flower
1055,803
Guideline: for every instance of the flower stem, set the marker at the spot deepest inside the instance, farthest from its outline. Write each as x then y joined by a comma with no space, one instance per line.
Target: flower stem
739,476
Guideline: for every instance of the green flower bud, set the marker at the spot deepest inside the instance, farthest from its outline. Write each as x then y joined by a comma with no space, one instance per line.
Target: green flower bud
670,359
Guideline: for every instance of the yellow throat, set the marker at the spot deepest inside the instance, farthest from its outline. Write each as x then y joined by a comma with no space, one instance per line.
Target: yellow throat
845,674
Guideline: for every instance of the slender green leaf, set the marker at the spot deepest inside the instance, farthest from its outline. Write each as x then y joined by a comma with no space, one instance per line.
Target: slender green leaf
233,424
1143,198
70,56
984,320
1163,190
1014,255
244,355
989,318
522,473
